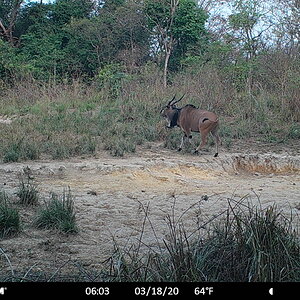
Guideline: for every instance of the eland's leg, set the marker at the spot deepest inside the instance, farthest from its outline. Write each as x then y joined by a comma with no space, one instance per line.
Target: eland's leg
204,134
217,140
183,140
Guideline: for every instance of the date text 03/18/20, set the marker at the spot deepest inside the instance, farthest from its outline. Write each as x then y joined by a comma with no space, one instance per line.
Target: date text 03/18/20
156,291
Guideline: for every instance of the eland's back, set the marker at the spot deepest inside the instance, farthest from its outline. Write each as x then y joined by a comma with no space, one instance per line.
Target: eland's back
192,118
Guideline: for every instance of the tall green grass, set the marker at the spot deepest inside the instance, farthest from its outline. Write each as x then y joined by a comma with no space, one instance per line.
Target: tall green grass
58,213
10,223
78,122
27,189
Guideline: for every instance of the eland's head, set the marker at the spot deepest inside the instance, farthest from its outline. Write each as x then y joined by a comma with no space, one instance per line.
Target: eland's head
170,112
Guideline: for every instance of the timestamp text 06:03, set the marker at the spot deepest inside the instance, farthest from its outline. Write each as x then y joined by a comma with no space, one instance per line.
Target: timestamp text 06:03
97,291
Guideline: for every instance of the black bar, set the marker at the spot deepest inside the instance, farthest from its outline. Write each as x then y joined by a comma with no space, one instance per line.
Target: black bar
108,290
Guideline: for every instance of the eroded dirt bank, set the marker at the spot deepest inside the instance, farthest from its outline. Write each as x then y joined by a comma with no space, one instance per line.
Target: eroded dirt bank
112,194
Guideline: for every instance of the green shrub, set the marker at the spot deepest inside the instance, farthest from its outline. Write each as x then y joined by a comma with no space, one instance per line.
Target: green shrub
16,151
173,139
119,145
12,153
27,191
9,217
256,246
294,131
58,213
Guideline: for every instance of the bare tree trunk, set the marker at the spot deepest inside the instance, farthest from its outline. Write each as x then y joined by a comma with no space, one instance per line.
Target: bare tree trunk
165,76
165,38
169,43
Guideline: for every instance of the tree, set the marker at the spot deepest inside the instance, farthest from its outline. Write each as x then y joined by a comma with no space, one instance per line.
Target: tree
189,32
43,36
116,34
9,10
161,14
174,24
287,27
65,10
248,26
245,23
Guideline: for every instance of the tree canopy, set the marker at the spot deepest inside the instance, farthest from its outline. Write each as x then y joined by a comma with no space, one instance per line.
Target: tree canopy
72,38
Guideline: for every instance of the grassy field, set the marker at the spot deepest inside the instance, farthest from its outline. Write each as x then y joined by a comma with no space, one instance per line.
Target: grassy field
61,120
75,120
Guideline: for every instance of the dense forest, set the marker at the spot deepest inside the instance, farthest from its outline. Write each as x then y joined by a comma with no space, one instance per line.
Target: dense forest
121,57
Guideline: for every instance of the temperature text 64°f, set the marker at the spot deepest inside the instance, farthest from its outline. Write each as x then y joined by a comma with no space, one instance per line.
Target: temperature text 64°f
203,290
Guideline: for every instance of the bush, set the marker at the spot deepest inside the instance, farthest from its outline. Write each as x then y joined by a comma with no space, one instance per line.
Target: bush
118,146
11,154
9,217
16,151
58,214
294,131
173,139
27,192
253,246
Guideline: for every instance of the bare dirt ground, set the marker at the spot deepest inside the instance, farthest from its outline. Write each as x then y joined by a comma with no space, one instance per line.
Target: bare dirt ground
112,194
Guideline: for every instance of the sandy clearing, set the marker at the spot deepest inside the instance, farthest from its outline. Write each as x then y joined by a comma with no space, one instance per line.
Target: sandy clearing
112,194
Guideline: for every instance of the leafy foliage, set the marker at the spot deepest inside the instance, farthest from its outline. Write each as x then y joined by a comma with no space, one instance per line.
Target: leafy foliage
186,27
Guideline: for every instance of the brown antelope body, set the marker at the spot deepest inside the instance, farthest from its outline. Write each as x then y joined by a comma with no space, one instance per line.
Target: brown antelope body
191,119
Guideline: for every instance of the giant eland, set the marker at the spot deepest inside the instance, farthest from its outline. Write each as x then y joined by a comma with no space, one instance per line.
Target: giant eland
191,119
